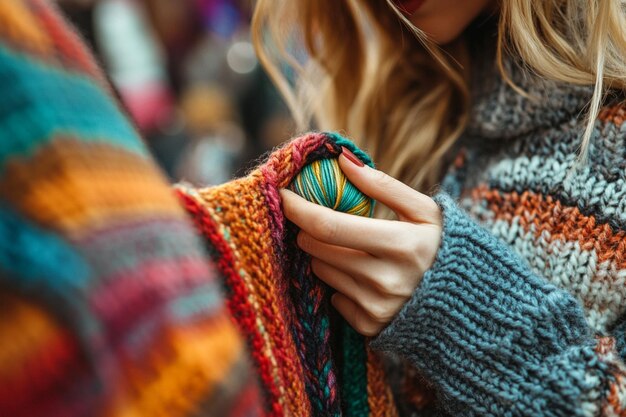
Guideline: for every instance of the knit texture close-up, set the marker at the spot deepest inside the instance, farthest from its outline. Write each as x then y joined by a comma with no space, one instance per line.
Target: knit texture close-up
523,311
310,361
108,306
120,296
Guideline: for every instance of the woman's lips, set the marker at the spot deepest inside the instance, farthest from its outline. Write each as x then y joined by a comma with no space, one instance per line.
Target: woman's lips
409,6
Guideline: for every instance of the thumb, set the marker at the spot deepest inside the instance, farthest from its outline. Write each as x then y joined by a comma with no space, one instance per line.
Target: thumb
408,204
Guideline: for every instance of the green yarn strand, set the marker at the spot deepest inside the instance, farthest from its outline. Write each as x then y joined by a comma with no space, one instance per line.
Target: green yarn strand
322,182
354,375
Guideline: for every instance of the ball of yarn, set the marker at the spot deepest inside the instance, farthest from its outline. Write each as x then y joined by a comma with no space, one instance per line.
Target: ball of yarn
322,182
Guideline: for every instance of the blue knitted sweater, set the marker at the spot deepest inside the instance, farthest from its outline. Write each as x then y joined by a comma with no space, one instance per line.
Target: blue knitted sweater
522,313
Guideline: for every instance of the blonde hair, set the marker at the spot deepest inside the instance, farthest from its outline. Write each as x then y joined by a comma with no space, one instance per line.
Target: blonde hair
360,67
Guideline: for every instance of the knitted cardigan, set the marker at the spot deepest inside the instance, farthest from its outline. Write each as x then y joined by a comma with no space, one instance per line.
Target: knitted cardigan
111,307
110,303
523,311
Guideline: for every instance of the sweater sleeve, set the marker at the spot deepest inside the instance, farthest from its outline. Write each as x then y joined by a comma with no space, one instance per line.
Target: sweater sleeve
497,340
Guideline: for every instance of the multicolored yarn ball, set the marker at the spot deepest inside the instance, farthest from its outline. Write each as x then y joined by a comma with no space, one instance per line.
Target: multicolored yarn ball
322,182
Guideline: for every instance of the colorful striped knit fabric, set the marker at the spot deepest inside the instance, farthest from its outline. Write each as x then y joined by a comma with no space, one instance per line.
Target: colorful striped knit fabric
310,362
108,306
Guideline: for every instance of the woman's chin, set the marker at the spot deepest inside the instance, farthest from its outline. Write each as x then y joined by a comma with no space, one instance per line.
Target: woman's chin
439,33
443,21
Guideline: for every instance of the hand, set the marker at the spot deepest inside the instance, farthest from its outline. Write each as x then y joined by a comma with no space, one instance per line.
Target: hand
373,264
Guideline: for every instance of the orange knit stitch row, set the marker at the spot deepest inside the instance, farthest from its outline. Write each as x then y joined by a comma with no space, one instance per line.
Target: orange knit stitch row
19,25
185,372
546,214
236,206
380,405
613,114
109,182
36,330
278,303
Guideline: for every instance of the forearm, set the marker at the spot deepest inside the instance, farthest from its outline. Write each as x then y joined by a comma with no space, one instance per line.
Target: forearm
494,338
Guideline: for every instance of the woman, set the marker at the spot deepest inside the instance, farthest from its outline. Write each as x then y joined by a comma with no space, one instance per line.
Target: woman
509,301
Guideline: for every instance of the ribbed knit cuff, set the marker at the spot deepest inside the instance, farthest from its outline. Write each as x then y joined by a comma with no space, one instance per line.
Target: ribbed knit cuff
494,338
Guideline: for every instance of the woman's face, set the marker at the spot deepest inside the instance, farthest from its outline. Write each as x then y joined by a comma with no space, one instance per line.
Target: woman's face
443,20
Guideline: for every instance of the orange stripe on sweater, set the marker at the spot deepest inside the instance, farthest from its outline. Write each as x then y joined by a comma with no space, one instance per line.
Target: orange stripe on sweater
613,114
36,354
21,29
182,369
36,27
546,214
71,185
24,330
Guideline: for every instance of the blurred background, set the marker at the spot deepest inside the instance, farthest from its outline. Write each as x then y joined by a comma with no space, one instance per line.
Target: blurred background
186,72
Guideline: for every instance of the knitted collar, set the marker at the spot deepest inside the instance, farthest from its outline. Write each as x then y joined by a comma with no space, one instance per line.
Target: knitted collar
498,111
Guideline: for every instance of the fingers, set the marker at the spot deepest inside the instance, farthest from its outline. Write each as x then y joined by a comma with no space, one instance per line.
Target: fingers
348,260
338,280
407,203
378,307
356,315
338,228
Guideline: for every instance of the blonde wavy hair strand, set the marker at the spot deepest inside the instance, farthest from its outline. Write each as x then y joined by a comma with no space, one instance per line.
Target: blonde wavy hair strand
360,67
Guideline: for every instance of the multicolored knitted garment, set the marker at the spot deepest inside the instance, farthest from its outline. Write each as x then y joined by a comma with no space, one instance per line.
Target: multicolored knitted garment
108,306
109,302
524,310
309,363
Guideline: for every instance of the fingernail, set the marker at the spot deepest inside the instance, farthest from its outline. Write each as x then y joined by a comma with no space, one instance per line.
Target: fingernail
351,157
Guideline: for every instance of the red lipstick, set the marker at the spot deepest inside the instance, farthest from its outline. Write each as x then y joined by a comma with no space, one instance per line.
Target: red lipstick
409,7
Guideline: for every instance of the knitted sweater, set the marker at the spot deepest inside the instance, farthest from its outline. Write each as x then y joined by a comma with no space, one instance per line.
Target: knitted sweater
108,305
522,313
